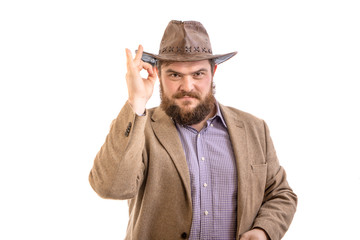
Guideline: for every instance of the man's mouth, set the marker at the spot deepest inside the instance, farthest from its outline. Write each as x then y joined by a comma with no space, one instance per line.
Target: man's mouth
186,96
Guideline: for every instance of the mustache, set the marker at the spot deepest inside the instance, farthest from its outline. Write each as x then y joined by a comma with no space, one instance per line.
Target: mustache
187,94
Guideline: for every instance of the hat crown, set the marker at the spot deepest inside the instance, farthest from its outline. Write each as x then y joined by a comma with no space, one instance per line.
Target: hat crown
185,37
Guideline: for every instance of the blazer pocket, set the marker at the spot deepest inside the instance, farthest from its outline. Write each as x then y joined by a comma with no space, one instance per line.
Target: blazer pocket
259,168
258,183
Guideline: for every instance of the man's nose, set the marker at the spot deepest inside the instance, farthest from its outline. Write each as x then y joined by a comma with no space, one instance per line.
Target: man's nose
187,84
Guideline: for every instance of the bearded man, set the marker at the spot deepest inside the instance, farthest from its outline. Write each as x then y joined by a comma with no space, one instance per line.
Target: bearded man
191,168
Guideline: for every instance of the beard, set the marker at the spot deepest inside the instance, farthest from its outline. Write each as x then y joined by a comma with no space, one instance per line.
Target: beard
184,116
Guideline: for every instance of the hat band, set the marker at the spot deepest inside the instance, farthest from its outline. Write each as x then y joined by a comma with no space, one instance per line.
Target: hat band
186,49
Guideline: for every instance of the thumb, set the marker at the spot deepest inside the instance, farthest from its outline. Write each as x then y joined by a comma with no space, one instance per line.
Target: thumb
243,238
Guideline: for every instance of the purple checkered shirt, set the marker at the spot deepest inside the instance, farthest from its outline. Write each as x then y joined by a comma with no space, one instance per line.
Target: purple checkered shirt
213,178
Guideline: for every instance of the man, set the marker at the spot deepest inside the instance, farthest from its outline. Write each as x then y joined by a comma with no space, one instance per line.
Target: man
191,168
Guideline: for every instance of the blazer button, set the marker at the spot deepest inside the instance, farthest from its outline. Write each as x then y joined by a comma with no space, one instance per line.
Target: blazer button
128,129
184,235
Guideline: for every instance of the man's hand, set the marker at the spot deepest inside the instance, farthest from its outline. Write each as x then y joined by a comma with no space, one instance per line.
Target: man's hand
255,234
139,89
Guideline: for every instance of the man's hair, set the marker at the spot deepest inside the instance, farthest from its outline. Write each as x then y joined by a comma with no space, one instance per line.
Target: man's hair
161,63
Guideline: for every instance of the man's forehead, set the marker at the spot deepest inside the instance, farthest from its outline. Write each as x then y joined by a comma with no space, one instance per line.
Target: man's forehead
187,66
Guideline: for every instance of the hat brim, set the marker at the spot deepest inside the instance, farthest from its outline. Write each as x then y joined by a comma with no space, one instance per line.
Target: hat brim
152,58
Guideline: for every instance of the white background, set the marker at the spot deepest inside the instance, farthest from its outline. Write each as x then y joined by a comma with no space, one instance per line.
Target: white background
62,69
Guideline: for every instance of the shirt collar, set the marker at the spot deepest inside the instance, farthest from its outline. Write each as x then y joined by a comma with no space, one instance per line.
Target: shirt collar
218,114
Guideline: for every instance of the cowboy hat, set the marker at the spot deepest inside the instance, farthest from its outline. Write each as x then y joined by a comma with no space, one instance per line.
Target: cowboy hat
185,41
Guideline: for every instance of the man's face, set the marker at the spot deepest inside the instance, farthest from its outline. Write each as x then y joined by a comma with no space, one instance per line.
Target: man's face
187,91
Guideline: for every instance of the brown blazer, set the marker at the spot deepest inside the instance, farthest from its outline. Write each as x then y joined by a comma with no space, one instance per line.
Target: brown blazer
143,160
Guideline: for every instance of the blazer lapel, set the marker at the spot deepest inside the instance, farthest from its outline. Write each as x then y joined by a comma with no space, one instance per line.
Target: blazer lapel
168,136
238,139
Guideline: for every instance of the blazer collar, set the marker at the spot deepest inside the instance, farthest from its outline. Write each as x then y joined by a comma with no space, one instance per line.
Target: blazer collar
237,133
165,130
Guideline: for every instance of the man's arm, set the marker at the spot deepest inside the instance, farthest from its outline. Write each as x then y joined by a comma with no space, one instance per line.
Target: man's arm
120,164
279,204
118,168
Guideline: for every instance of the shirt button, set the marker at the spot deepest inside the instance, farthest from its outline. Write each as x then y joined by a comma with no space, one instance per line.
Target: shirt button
205,184
199,135
212,125
203,159
206,213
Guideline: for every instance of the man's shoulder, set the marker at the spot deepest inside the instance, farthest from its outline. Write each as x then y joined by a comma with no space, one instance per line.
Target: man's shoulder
241,115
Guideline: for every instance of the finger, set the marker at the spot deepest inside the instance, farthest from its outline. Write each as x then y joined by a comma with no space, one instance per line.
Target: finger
132,67
139,53
129,58
128,54
148,68
152,76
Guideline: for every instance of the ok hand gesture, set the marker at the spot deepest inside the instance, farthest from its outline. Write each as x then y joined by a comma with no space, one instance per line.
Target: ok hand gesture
139,89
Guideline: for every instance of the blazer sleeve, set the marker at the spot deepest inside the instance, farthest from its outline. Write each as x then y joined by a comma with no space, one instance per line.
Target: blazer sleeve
279,203
118,169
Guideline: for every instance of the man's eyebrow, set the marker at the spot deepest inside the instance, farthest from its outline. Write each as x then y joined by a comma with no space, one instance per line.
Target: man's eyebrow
201,70
170,71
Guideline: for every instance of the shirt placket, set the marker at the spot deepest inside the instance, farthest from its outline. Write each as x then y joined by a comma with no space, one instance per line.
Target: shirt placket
205,186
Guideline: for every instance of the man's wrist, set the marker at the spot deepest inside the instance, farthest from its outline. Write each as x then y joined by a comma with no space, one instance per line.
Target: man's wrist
138,106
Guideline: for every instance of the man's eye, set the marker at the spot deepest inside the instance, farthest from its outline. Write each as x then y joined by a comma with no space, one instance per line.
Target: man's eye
198,74
175,75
